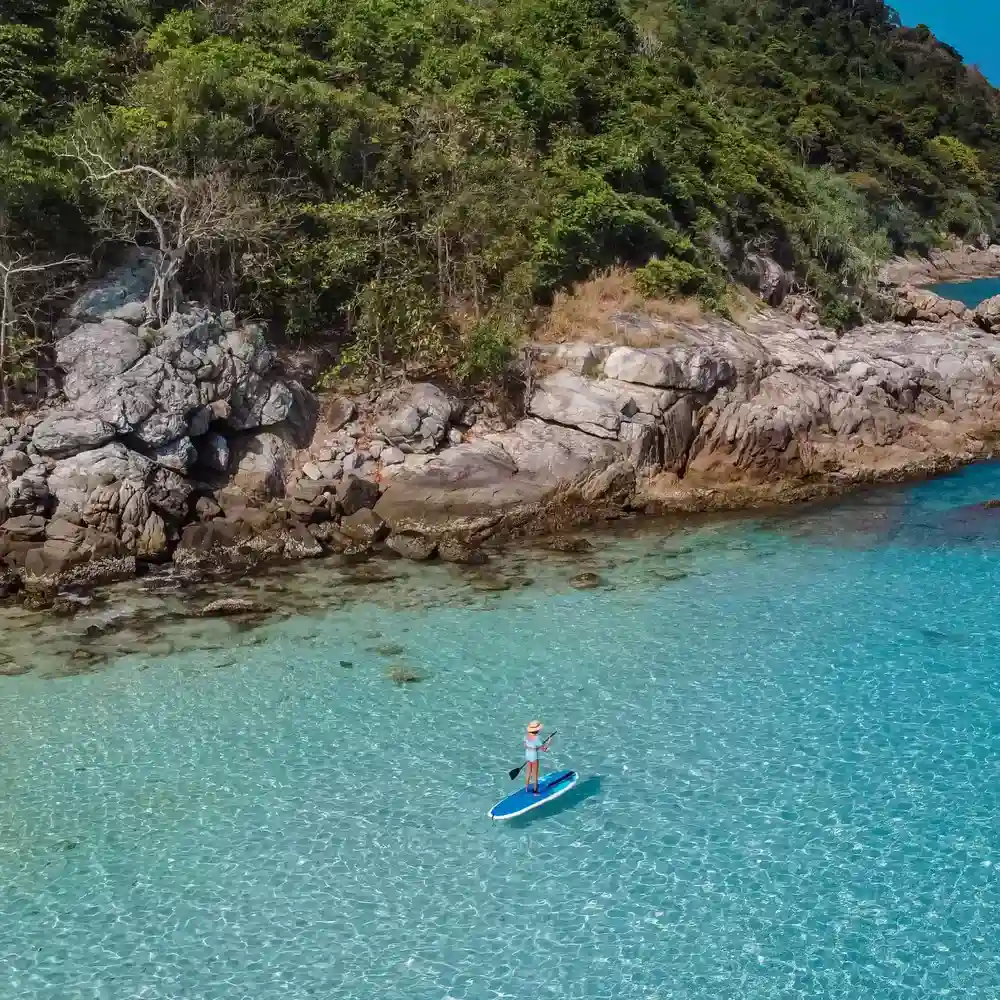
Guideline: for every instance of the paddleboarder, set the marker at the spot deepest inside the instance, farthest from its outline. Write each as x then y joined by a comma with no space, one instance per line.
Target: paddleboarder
532,744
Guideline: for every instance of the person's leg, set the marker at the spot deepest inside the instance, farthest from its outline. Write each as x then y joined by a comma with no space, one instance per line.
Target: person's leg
527,776
534,774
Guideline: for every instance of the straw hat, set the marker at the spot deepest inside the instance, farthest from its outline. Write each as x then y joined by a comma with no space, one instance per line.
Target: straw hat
534,727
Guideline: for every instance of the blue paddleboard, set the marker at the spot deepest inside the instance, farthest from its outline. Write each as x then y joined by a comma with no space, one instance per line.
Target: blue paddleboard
550,786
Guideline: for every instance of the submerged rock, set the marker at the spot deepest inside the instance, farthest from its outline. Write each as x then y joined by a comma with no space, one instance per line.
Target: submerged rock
227,606
401,674
569,544
415,547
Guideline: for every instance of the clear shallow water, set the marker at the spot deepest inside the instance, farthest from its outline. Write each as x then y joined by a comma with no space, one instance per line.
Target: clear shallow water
790,762
969,292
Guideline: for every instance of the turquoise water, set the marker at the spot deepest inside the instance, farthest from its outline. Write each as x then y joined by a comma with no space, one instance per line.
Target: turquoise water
790,764
969,292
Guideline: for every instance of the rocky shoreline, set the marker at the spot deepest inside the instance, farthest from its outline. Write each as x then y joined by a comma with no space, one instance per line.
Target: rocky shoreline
960,262
191,445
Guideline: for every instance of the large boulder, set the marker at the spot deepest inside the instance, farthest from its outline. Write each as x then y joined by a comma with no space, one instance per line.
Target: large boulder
121,294
354,494
73,480
94,559
152,544
576,401
201,373
95,353
30,493
418,418
120,509
692,369
988,314
64,434
513,476
768,278
262,462
924,306
179,455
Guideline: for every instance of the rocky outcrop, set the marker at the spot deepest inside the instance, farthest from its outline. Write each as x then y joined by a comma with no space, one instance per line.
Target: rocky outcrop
149,421
722,416
988,315
959,262
918,305
188,443
768,278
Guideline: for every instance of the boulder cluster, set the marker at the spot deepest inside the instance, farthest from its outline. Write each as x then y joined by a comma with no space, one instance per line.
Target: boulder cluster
189,444
149,422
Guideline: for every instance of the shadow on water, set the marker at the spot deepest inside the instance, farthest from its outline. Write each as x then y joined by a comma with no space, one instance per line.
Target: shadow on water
586,788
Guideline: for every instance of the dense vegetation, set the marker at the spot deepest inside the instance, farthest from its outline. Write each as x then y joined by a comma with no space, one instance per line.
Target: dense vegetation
412,177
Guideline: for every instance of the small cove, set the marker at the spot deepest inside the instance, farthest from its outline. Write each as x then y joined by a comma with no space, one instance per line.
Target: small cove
971,293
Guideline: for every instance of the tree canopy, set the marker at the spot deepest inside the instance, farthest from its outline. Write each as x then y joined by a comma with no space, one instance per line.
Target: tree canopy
422,173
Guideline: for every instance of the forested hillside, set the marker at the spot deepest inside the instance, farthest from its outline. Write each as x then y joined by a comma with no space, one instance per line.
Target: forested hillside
409,178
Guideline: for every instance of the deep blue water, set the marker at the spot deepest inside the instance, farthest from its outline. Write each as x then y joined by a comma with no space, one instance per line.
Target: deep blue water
791,785
969,292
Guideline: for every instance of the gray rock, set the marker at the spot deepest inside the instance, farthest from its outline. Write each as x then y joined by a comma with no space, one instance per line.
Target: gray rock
768,278
213,452
415,547
354,493
312,471
363,526
73,480
419,418
118,509
26,528
678,433
179,455
693,369
263,462
338,411
30,493
643,440
391,456
122,294
988,314
259,403
160,429
580,358
402,424
16,462
63,530
68,434
574,401
95,353
170,493
200,423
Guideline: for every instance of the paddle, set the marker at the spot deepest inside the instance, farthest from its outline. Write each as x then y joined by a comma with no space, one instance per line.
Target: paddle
517,770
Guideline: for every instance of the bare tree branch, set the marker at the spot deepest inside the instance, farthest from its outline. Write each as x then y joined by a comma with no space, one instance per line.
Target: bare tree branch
179,217
23,279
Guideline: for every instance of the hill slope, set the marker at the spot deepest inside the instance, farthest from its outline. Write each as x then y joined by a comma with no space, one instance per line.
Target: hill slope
413,176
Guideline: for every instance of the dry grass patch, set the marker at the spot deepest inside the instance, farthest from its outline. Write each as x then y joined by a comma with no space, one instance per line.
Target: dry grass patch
588,312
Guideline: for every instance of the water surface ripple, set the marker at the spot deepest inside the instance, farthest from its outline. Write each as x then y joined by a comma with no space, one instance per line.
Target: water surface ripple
791,786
